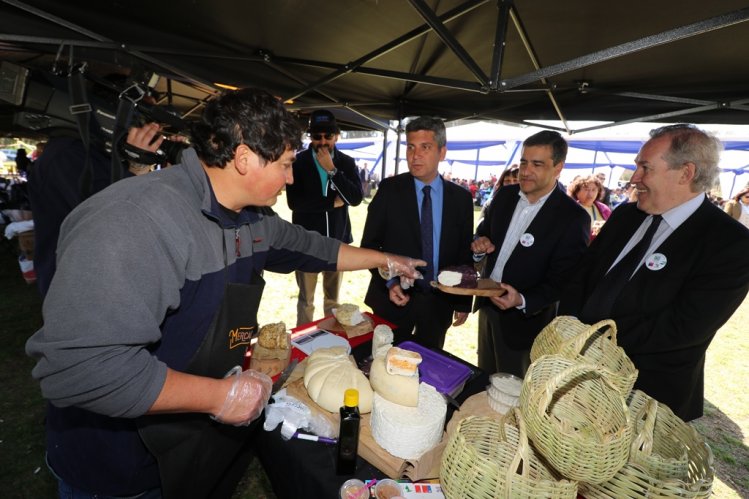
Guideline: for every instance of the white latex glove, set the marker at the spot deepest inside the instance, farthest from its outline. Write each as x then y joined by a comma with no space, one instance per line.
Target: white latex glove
398,266
246,398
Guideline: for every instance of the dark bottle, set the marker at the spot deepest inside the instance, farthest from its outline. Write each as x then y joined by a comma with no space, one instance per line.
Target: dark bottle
348,434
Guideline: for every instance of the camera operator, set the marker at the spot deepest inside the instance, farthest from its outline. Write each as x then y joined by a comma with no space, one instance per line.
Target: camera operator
55,189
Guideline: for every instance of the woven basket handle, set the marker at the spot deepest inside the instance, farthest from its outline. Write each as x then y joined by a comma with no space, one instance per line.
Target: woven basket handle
522,453
559,379
643,442
577,343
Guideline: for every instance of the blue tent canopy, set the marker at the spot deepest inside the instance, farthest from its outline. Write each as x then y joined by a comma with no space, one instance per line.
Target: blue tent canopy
618,146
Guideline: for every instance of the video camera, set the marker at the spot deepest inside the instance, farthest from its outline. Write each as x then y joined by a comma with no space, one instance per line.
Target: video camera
137,100
52,102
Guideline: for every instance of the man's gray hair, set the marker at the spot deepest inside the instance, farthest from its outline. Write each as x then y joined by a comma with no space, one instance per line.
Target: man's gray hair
689,144
429,124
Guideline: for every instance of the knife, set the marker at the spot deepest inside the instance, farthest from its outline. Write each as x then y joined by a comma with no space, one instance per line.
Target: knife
451,400
284,376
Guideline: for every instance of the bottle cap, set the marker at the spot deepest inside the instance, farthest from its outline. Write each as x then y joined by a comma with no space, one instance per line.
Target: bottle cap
351,397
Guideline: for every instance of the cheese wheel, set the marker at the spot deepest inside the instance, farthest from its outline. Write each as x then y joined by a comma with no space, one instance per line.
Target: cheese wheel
402,390
408,432
329,373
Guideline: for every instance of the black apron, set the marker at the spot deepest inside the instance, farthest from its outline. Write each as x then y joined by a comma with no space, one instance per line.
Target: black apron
192,450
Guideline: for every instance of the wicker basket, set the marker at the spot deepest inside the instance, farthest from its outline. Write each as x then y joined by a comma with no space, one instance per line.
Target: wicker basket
482,459
561,329
576,418
594,344
668,459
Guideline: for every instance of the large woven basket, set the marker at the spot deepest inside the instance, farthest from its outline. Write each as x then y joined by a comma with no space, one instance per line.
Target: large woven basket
561,329
595,344
668,459
482,459
576,418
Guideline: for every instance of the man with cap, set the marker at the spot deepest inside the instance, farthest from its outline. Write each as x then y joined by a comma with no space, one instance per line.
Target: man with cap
326,183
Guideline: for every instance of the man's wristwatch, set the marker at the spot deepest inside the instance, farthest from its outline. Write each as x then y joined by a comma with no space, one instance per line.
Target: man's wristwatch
332,172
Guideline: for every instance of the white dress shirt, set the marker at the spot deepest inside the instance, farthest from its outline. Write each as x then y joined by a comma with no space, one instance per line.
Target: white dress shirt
524,213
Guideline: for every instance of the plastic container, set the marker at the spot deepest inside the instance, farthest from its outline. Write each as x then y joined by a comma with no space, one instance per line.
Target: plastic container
447,375
353,489
504,391
387,489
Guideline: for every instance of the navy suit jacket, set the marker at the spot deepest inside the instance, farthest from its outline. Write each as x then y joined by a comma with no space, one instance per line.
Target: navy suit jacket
667,318
560,231
393,226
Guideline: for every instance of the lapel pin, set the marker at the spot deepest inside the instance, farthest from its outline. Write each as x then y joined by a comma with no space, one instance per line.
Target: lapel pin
656,261
527,239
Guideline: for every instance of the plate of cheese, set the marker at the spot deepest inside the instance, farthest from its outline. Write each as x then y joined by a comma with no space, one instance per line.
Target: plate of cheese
464,280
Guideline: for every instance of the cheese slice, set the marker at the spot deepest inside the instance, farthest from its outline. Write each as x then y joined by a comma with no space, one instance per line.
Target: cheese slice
403,362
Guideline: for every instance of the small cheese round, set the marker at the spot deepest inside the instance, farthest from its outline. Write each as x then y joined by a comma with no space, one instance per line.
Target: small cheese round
273,336
348,314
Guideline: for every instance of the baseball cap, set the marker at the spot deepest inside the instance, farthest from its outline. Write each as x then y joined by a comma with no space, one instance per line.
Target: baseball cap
322,121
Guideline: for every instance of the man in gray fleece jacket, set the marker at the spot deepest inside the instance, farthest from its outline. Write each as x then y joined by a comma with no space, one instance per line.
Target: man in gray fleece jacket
139,327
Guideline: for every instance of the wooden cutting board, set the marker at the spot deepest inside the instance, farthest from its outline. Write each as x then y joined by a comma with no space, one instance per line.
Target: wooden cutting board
484,287
332,325
368,449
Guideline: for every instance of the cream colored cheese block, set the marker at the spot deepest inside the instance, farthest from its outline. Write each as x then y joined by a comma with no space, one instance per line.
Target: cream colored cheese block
329,373
403,390
408,432
382,340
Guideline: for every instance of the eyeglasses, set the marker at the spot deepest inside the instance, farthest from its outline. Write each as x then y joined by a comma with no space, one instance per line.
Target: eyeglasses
320,136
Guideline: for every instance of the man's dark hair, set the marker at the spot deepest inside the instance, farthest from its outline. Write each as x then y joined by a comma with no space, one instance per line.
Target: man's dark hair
249,116
549,138
429,124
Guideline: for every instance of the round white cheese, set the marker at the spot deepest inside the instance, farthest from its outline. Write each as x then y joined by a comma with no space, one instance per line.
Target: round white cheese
408,432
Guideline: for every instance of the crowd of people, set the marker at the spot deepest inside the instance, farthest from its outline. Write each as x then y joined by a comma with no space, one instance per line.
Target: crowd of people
152,293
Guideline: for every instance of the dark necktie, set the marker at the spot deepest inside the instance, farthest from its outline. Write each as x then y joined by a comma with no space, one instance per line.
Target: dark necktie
605,293
427,242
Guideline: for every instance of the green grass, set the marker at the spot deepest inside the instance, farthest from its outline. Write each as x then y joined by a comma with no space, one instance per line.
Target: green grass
22,469
24,475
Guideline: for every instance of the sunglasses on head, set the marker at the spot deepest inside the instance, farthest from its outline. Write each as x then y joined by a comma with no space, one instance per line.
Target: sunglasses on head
320,136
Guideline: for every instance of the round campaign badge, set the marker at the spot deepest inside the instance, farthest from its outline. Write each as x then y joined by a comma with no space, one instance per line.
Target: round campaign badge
527,239
656,261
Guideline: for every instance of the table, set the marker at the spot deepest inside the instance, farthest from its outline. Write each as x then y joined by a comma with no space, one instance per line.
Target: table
299,468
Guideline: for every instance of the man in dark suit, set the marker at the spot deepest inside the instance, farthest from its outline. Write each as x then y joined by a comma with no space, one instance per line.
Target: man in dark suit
397,222
326,183
533,236
686,282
